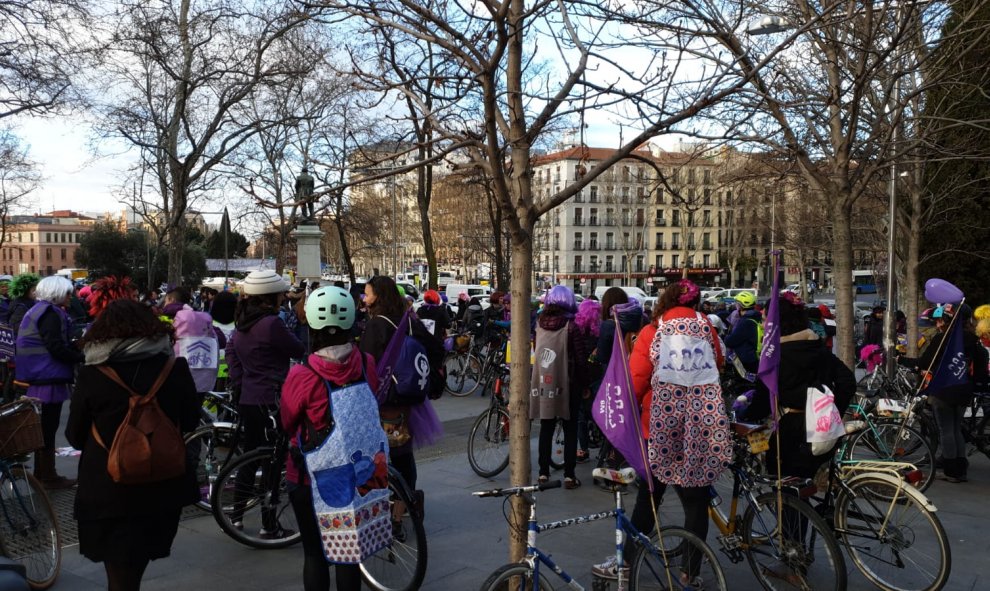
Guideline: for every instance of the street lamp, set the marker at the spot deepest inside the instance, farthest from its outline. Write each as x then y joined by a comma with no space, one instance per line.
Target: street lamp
147,251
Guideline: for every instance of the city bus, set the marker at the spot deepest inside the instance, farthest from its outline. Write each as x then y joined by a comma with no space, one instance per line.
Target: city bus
864,281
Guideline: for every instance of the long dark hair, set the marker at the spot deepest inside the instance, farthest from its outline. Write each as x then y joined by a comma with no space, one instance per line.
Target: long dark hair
388,302
672,296
793,317
256,305
611,297
125,319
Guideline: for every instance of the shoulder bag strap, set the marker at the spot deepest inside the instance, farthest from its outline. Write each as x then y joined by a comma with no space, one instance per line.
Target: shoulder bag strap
312,433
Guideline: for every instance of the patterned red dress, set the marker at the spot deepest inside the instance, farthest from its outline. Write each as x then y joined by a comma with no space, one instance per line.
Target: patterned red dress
689,430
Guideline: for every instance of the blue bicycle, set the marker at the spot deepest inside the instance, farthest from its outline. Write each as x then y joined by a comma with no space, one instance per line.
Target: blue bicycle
673,559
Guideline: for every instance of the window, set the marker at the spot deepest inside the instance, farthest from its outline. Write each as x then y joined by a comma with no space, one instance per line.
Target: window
608,263
675,241
659,219
556,262
661,199
625,173
48,236
594,263
640,263
610,217
708,196
691,177
32,258
594,241
578,241
625,240
658,261
594,216
577,264
707,260
625,194
690,260
659,241
708,176
63,237
707,217
640,217
706,241
556,241
677,218
609,241
594,194
674,260
63,253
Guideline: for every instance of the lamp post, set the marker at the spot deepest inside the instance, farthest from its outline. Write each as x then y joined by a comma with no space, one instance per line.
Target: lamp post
147,251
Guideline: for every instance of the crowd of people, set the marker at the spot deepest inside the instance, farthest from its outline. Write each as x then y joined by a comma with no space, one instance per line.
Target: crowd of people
280,349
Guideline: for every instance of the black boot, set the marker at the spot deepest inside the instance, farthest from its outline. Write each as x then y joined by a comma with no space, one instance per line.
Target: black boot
953,470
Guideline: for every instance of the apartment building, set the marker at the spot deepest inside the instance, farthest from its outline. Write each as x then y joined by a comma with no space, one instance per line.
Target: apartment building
646,221
43,244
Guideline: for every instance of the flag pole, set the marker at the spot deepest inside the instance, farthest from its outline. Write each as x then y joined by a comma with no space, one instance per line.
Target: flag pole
631,400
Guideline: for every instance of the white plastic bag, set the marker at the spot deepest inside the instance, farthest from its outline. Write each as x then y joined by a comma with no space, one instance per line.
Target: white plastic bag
822,421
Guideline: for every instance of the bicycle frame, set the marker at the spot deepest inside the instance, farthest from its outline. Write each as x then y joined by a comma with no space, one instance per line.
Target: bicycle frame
5,474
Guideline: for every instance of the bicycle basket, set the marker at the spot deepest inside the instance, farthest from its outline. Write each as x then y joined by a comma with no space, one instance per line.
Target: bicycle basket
20,429
462,343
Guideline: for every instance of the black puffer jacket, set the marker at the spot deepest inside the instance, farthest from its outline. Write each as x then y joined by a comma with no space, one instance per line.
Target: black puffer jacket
804,362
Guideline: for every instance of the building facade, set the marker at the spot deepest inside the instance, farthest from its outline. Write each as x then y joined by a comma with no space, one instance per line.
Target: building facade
648,220
43,244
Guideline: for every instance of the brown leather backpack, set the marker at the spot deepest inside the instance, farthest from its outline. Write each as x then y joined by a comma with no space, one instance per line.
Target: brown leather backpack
148,446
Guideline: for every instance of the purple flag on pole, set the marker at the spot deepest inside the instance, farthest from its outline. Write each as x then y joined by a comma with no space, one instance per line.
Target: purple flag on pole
770,355
615,410
390,357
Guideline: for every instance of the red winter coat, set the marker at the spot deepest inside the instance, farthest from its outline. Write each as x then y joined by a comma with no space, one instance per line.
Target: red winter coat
641,365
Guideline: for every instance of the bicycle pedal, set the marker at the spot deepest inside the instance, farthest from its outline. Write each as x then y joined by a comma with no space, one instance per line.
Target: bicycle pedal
600,584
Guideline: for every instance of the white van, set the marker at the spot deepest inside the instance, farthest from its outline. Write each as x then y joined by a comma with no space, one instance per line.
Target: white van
445,278
631,290
453,290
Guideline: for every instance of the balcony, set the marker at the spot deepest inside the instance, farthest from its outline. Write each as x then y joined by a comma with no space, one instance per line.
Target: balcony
593,246
609,246
577,246
578,222
593,222
660,222
675,246
579,198
661,246
594,198
608,268
610,221
577,267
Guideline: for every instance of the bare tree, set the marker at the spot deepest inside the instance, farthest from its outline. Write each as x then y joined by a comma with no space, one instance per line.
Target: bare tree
41,48
502,112
183,75
834,111
19,177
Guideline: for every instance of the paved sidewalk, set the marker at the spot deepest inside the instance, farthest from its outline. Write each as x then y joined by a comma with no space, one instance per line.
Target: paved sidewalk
467,536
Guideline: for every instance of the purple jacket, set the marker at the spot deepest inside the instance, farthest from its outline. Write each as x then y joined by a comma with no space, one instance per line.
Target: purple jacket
258,359
36,362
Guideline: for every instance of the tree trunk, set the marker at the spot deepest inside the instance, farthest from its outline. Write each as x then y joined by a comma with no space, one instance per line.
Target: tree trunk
424,189
911,280
842,259
176,246
520,468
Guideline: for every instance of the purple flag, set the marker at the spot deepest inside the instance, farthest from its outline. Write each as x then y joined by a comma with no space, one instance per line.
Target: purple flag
770,355
615,409
953,366
389,358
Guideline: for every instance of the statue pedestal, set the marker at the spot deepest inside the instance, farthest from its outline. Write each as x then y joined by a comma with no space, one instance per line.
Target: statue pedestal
308,236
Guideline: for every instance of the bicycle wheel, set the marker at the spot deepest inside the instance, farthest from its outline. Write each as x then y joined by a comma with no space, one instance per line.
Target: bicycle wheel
515,577
896,545
401,566
793,548
250,502
463,373
211,445
29,532
488,444
892,442
557,447
676,559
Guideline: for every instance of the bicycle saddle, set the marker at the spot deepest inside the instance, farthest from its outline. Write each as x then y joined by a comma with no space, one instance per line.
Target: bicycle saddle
623,476
744,429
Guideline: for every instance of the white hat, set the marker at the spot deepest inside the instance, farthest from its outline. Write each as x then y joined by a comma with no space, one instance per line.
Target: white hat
264,282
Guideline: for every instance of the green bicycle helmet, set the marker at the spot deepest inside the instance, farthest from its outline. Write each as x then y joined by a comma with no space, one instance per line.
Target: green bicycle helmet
745,299
330,306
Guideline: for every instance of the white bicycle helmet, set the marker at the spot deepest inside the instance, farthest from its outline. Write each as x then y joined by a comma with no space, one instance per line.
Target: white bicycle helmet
330,306
264,282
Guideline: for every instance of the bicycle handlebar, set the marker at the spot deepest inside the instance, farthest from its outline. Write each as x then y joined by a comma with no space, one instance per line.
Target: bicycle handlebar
517,490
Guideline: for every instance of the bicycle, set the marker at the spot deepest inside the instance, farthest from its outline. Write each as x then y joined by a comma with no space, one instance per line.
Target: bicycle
974,424
888,527
478,367
215,442
671,557
890,439
29,531
786,543
488,442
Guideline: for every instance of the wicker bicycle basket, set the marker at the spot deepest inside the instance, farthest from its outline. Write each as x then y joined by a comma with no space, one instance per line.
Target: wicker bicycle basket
20,429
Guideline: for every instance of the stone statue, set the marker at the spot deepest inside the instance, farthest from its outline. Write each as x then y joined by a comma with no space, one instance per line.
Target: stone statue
304,193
